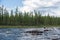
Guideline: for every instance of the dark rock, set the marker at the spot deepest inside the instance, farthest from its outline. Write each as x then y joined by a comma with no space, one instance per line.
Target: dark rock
55,39
35,32
46,30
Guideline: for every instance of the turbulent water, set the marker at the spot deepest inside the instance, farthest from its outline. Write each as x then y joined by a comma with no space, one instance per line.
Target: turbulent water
19,34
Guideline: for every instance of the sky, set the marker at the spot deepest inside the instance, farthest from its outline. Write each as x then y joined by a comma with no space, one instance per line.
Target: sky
11,3
44,6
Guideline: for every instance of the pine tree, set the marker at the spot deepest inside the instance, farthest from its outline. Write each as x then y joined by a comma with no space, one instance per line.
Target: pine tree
6,17
12,18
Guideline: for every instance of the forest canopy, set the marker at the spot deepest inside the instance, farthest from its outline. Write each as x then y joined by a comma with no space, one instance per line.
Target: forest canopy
26,18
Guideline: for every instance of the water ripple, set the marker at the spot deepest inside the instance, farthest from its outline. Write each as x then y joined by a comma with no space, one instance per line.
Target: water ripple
19,34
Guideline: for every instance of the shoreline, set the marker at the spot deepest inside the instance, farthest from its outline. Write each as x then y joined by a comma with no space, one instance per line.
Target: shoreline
42,26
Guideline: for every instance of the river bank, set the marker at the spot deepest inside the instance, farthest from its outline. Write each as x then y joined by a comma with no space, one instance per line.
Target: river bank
41,26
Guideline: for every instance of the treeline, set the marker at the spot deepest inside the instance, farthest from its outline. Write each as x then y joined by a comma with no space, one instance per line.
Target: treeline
26,18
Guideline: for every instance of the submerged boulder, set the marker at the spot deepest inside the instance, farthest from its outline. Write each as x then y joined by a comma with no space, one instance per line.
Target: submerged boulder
56,39
38,32
35,32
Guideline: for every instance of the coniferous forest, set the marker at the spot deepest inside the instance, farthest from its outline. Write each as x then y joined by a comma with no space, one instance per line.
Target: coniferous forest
26,18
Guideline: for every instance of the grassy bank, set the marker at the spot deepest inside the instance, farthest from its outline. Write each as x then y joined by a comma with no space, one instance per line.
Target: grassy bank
20,26
30,26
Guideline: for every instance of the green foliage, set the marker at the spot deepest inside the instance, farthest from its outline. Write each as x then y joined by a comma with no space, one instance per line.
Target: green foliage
26,18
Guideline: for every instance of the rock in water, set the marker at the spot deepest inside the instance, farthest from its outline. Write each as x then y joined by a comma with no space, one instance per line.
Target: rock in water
35,32
55,39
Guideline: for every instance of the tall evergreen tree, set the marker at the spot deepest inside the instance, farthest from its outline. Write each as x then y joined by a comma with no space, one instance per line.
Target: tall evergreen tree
12,18
16,17
6,17
2,13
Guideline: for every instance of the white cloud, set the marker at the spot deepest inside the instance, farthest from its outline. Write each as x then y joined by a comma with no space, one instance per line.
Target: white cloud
25,9
57,12
34,4
50,6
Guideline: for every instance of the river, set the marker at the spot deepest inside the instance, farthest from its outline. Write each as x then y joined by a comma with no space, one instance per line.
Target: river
19,34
